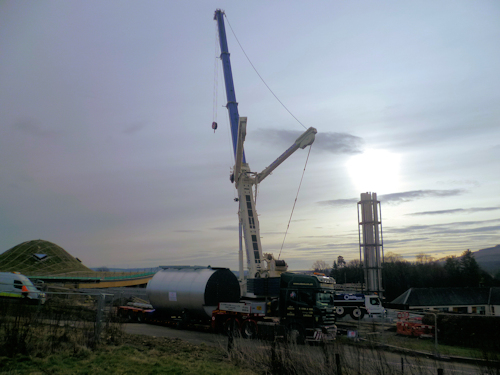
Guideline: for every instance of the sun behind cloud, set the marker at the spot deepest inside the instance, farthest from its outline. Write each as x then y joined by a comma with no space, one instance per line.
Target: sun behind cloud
375,170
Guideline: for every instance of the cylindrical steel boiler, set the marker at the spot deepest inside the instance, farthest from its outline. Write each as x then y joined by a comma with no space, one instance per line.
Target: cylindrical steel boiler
196,291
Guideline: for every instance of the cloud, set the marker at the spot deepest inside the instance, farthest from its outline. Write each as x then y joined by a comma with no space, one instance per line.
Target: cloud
393,242
339,202
398,198
30,127
336,143
455,211
453,227
272,233
188,231
227,227
134,128
461,182
408,196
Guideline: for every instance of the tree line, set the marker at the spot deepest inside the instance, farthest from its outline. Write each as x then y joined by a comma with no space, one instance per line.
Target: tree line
399,275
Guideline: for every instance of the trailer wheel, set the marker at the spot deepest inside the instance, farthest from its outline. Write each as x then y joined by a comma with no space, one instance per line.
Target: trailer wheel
357,314
296,335
122,316
249,329
231,327
130,317
340,311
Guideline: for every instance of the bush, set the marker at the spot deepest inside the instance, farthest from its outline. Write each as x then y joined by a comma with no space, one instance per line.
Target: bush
467,330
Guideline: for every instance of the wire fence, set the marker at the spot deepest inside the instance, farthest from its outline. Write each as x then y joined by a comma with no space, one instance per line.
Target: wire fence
49,321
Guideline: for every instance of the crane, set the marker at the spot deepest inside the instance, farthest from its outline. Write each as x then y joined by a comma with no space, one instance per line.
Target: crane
259,264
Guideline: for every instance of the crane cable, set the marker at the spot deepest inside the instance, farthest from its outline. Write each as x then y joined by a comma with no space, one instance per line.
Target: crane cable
293,208
262,79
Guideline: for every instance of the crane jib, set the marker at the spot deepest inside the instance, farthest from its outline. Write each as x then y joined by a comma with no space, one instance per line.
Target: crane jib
232,104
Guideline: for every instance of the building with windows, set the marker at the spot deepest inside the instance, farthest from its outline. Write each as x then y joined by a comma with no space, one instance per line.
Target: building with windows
484,301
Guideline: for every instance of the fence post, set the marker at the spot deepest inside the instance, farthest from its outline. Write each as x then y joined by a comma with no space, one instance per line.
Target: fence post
436,331
98,323
440,371
337,364
230,342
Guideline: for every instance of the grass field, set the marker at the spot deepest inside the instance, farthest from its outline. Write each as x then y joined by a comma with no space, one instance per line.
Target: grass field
134,355
64,337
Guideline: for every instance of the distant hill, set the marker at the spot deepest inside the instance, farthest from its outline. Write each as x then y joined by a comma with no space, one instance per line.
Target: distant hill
489,259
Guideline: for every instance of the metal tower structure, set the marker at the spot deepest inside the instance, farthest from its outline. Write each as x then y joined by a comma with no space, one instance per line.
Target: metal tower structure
371,249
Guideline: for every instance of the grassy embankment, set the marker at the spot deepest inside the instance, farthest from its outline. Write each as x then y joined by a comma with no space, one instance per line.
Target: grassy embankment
62,337
121,353
136,355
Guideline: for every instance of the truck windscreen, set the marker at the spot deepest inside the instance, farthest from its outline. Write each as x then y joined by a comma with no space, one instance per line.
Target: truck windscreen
324,299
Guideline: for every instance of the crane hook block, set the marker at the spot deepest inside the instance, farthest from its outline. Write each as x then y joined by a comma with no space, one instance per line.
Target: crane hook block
214,126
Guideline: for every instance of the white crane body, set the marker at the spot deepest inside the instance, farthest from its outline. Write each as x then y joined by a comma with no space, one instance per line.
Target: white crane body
259,264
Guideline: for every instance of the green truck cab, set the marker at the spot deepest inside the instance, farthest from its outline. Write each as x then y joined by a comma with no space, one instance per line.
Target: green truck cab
306,306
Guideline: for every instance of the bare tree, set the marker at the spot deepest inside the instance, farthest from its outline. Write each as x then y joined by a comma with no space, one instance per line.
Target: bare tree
340,261
424,258
321,266
391,257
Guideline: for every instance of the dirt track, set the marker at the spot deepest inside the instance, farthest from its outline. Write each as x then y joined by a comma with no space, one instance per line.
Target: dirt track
194,337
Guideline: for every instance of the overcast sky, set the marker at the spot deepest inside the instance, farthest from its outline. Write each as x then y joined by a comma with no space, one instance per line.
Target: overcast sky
107,150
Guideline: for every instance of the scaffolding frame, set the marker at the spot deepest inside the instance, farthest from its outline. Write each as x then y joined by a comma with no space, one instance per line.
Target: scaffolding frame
371,248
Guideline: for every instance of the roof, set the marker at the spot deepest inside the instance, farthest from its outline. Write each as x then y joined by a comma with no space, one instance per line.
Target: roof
39,257
495,296
448,297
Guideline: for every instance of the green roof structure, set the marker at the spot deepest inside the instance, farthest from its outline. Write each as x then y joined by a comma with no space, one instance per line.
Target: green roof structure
39,257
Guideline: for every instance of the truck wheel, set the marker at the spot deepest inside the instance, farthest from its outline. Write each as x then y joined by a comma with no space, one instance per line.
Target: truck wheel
249,330
296,335
231,327
340,311
357,314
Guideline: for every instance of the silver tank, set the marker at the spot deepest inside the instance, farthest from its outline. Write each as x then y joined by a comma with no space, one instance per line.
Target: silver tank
195,290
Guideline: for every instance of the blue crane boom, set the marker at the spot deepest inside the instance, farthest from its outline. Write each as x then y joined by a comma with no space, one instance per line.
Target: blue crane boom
232,104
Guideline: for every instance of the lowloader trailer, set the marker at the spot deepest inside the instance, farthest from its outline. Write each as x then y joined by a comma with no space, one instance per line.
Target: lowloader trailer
297,306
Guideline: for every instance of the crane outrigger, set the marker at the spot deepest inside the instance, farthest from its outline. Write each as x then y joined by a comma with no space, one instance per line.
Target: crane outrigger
260,265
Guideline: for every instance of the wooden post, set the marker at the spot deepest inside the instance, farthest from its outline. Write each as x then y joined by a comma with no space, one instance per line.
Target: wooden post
337,364
230,342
